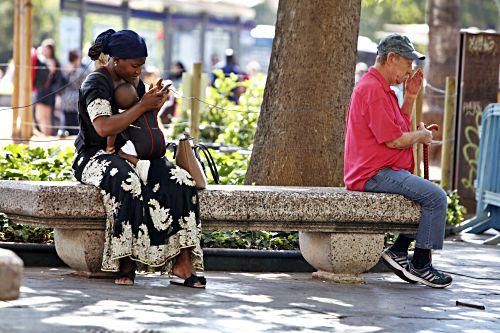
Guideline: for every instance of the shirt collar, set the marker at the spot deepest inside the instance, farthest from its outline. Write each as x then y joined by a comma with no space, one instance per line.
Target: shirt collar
380,78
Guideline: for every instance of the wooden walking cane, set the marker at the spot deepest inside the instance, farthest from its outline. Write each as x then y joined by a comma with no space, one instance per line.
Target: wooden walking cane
432,127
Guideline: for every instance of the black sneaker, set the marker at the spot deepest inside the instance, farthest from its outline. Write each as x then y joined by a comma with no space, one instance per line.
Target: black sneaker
396,262
428,275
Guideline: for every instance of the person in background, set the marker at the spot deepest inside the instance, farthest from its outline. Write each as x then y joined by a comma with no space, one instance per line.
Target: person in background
228,69
176,73
48,79
230,65
252,69
361,69
75,75
168,110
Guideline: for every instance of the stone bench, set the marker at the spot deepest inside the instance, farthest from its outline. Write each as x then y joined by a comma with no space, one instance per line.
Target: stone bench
341,232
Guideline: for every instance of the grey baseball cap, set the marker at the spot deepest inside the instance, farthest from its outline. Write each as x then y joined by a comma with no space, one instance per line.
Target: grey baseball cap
398,44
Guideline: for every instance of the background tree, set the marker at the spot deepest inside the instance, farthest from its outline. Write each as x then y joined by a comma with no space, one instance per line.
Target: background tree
443,18
300,133
45,24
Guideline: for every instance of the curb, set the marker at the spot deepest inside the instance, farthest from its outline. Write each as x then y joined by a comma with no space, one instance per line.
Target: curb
237,260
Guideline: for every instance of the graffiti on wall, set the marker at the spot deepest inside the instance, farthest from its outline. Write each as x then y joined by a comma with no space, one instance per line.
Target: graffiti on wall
470,149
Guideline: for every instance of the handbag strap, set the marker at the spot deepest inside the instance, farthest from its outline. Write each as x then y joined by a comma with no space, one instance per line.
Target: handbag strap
210,161
172,146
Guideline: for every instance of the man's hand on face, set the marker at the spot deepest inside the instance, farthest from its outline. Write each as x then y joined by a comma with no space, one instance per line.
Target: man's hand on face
414,82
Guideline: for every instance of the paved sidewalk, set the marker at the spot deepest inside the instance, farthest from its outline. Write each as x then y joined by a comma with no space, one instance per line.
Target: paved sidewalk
55,301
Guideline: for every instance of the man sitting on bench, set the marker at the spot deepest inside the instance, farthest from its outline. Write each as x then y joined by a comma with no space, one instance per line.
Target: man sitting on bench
379,156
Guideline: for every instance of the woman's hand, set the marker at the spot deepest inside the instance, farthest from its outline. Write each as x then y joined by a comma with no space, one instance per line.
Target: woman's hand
153,98
414,82
161,89
131,158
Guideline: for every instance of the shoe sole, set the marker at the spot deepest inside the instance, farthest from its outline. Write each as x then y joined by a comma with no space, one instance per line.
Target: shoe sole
415,278
395,268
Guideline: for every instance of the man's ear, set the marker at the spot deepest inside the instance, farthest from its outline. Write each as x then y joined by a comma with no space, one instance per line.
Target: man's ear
391,57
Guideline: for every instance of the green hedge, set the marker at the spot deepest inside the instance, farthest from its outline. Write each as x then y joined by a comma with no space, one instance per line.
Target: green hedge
234,125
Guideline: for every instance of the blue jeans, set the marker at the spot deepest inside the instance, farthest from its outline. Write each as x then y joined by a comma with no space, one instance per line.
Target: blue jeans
432,199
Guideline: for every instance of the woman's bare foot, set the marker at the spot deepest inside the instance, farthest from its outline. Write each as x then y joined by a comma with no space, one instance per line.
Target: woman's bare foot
125,281
183,268
127,272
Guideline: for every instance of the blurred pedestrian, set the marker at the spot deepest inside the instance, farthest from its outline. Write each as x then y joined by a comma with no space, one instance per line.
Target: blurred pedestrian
361,69
74,75
48,79
168,110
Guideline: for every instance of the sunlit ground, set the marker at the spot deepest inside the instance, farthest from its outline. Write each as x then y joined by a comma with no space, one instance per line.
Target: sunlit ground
53,301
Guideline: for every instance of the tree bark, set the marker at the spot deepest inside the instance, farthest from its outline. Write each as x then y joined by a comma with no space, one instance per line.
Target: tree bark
300,134
443,17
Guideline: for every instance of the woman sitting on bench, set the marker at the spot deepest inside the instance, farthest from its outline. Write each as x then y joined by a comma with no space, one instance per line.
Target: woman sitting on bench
155,221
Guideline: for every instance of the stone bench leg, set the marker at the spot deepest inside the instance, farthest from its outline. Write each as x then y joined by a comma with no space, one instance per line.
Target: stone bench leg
341,257
81,250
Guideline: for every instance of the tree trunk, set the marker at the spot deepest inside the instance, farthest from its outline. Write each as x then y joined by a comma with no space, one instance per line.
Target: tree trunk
300,133
443,17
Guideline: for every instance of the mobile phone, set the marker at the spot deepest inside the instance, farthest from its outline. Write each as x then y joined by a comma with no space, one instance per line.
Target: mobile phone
166,85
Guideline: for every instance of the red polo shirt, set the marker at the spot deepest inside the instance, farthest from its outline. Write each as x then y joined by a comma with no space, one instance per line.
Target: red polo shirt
374,118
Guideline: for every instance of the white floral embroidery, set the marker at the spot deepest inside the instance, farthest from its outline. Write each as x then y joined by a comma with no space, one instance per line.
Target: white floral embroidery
181,176
156,188
110,204
94,171
189,230
155,256
161,219
99,107
120,246
132,184
194,199
142,246
113,172
142,169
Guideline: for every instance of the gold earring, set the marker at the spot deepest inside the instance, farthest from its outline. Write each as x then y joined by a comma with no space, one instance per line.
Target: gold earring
115,64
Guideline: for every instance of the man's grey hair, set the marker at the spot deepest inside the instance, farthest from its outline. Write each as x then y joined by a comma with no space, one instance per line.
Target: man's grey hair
382,59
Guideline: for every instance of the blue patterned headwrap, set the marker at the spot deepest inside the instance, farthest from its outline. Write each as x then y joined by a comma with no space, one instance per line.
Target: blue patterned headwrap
124,44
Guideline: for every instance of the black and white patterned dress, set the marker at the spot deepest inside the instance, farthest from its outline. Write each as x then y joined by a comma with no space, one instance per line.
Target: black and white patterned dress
149,220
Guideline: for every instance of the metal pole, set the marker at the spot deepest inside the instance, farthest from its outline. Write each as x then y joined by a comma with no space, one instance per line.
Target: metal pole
82,13
195,104
17,73
235,40
168,41
448,136
126,16
203,36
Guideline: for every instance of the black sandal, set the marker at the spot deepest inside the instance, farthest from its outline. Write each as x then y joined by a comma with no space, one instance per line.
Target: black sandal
190,282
